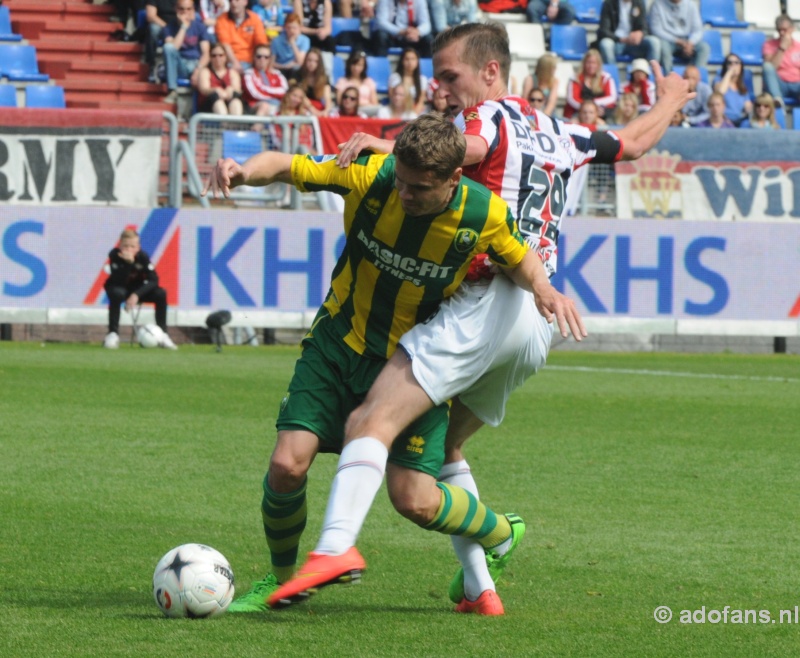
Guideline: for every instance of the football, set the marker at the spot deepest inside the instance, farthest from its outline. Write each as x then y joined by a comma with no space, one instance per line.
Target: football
150,335
193,580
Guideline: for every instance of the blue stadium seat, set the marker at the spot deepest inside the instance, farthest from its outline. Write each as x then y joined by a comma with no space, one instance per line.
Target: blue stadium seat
780,117
613,71
18,63
241,144
426,67
568,41
720,13
796,118
747,45
6,33
714,39
338,69
379,69
8,96
340,24
49,96
587,11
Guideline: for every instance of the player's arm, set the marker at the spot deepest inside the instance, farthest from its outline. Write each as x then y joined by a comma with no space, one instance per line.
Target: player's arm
348,152
645,131
259,170
531,275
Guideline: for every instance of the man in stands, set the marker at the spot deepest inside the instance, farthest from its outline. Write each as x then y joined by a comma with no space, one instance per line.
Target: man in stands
782,62
158,13
402,24
240,31
186,48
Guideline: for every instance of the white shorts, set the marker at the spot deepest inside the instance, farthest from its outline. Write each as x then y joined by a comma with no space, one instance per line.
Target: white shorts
483,343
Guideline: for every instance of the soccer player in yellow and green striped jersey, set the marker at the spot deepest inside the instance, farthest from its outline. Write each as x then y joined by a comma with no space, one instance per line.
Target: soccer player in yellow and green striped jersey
412,226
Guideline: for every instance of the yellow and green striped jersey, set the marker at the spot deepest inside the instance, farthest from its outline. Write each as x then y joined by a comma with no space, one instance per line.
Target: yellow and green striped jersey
396,269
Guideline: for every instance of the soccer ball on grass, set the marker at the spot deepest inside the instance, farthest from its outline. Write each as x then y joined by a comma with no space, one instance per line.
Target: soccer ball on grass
150,335
193,580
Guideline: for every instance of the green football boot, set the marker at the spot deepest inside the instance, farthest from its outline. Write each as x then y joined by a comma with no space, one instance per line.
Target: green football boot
256,599
496,563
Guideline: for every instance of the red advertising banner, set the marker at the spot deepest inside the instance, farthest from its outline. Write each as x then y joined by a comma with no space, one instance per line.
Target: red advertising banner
338,130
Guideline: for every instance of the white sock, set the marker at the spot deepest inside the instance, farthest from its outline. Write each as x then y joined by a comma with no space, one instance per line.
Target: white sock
469,552
357,480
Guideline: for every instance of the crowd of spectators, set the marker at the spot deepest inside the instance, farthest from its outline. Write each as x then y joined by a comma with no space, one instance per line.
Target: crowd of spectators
242,56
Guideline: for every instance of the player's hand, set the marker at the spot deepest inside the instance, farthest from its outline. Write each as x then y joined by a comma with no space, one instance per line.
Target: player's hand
226,175
671,85
552,304
349,151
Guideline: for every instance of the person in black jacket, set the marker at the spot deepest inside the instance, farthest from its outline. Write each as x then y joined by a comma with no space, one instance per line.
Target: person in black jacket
623,31
132,279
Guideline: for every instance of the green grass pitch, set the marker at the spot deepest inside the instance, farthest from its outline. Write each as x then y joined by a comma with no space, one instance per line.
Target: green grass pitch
646,480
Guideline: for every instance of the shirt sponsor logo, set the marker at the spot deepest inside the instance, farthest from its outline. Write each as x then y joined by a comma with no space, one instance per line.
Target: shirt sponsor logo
406,268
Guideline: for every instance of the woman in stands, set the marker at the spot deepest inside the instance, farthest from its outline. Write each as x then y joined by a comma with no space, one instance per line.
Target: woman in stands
295,103
544,78
264,85
219,87
409,75
349,105
314,81
641,85
716,110
591,83
355,75
627,109
730,83
400,105
763,114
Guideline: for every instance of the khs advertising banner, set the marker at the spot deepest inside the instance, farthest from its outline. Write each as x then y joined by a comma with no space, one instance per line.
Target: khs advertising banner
714,175
282,261
79,157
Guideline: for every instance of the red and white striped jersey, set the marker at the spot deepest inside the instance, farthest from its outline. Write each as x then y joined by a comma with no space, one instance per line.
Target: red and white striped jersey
268,86
530,159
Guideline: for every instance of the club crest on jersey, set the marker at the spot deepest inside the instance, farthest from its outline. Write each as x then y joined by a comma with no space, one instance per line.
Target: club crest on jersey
471,116
373,206
465,240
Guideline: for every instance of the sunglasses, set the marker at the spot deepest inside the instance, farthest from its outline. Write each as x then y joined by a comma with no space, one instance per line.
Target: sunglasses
264,56
536,99
349,98
763,105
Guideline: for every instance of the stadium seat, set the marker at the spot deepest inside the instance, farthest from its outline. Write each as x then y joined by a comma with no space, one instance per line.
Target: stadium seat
780,117
6,33
18,63
761,13
587,11
720,13
747,45
568,41
426,67
526,40
241,144
45,96
793,8
8,96
796,118
517,73
339,25
379,69
613,71
338,69
714,40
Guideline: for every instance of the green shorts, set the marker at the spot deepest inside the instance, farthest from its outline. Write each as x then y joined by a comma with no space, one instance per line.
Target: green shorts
330,380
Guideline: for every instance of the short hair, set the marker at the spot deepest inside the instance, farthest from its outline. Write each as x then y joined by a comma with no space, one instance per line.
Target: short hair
783,19
431,143
292,18
128,234
483,42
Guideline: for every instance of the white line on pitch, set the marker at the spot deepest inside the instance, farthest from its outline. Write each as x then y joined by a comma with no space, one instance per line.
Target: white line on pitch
670,373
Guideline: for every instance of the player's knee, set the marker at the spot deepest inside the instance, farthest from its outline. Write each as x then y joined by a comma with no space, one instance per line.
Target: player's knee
286,472
412,505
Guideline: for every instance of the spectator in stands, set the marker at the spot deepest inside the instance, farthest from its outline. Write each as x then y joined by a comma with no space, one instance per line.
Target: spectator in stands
696,110
640,84
449,13
679,26
559,12
589,115
763,115
400,105
210,10
502,6
264,86
132,280
158,14
716,113
402,24
623,31
591,83
186,49
544,79
627,109
314,81
240,31
355,75
219,85
409,75
316,17
679,120
536,99
348,104
290,47
730,83
781,70
271,14
295,103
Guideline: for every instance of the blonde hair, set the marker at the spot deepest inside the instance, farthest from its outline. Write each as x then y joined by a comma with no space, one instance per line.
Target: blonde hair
128,234
769,101
596,82
619,118
545,69
431,143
